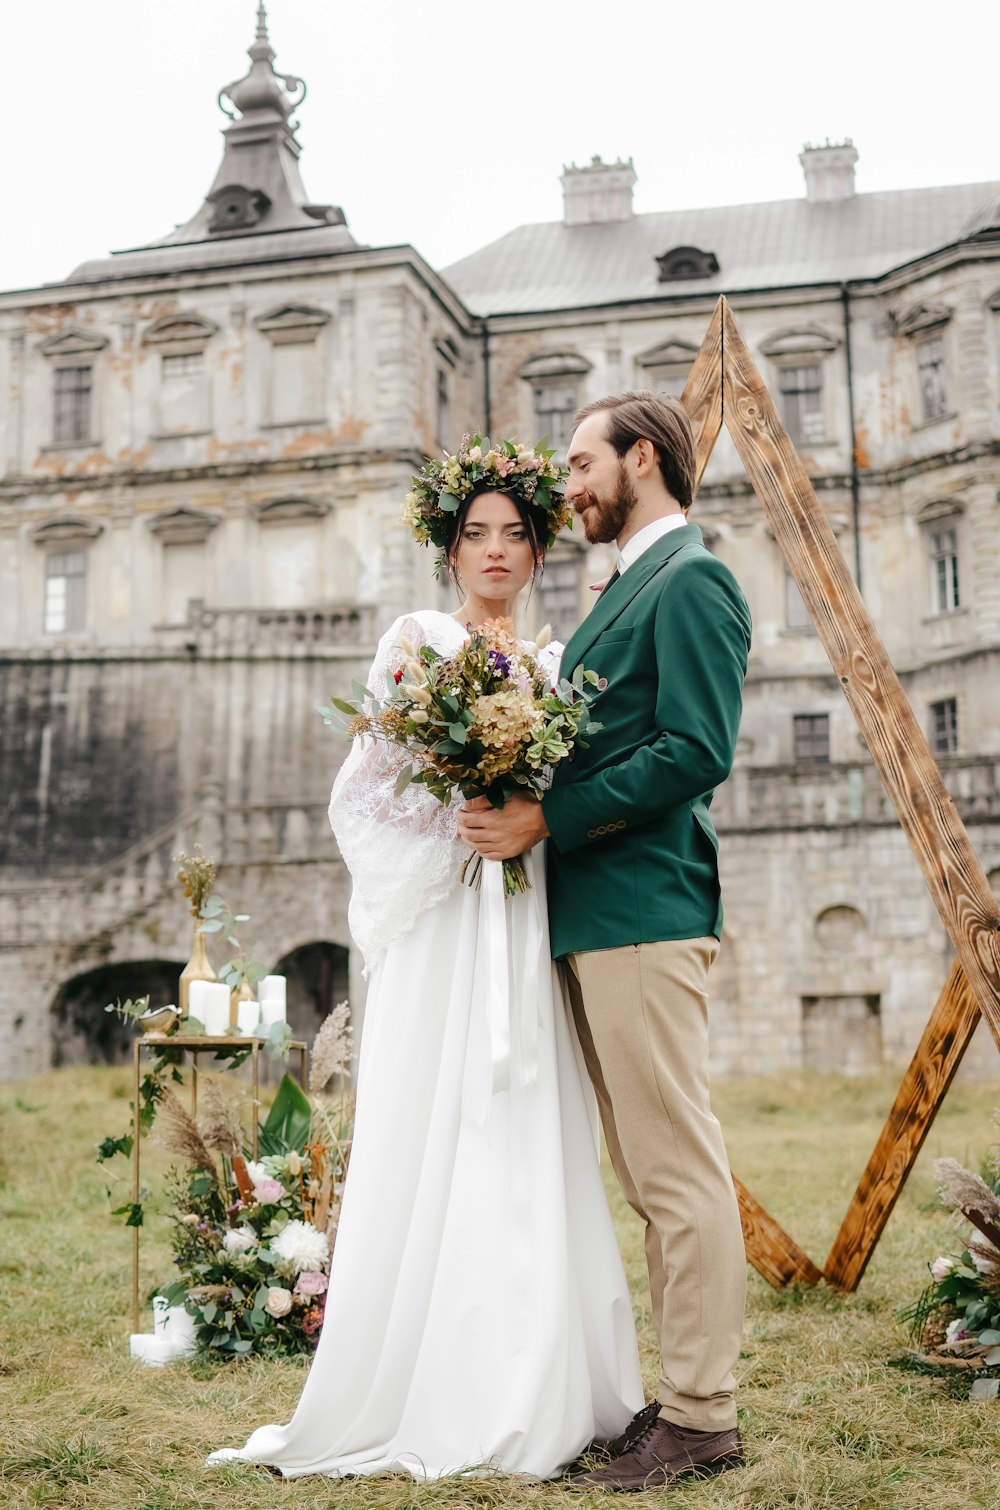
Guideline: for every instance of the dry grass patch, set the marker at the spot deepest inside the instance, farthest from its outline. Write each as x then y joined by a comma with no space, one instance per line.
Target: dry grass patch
827,1421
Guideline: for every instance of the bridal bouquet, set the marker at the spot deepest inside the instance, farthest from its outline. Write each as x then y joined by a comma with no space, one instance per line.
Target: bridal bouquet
484,722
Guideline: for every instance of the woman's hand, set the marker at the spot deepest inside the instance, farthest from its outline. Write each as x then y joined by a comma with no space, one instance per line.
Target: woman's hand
505,832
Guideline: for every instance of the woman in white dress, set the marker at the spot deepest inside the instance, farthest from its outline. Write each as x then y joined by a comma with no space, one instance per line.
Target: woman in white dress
477,1316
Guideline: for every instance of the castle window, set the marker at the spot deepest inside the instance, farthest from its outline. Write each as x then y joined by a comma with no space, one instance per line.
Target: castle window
65,591
943,550
801,389
944,726
555,380
443,410
811,738
73,389
683,262
559,592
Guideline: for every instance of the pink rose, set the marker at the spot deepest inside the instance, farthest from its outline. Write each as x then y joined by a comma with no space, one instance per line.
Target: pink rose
940,1269
267,1192
310,1282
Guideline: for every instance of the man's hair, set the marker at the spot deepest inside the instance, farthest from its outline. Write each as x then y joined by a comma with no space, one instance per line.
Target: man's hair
661,420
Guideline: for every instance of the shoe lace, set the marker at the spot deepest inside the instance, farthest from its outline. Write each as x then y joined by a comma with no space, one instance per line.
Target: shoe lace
644,1425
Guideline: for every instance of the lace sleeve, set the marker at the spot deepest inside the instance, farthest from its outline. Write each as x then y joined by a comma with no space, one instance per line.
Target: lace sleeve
403,851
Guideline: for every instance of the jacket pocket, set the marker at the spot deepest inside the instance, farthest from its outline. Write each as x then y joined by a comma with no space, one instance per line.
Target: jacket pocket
613,636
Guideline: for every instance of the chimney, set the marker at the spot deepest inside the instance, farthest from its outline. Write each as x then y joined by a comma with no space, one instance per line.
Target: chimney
597,193
829,170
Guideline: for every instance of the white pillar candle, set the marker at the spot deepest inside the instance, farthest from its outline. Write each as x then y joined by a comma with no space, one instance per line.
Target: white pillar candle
180,1328
272,1011
161,1307
210,1004
247,1016
271,988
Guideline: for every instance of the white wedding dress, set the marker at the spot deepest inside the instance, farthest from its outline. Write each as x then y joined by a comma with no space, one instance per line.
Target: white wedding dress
477,1316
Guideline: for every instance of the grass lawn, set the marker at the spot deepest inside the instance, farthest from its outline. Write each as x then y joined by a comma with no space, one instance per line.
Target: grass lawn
826,1420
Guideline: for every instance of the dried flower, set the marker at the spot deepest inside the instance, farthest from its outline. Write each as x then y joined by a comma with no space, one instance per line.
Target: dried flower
196,874
331,1049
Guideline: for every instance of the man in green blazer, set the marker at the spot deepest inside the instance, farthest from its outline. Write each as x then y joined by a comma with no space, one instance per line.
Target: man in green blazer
635,911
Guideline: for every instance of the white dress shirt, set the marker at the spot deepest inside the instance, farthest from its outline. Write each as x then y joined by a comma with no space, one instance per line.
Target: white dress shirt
647,536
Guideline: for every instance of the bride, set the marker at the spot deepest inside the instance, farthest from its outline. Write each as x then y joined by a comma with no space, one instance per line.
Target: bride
477,1317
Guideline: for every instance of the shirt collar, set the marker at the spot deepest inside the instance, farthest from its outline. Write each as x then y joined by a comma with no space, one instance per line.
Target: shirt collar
647,536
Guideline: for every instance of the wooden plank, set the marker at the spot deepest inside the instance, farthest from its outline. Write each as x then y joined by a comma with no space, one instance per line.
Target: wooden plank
926,812
769,1248
931,1071
702,396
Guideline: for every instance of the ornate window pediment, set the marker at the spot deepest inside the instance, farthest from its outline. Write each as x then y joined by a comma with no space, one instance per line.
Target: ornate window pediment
183,526
554,364
291,510
669,354
65,530
803,340
921,319
292,323
940,508
193,331
686,262
76,345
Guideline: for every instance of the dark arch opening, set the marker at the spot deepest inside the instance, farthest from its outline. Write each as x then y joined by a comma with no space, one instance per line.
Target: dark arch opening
83,1033
317,976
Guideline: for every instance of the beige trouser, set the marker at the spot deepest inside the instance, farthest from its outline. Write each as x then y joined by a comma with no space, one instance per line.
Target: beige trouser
642,1016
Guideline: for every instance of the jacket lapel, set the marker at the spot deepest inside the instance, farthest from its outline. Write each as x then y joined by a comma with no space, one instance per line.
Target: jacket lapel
620,592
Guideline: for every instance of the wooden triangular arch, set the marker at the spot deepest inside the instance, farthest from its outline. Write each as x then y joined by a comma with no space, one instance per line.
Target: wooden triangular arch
725,388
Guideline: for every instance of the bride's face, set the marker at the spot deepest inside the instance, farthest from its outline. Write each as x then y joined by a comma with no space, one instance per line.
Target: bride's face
495,557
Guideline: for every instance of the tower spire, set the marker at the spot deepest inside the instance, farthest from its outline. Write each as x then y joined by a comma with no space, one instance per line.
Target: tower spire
258,187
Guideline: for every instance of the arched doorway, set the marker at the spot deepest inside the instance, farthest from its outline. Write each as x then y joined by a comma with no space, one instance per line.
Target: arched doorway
83,1033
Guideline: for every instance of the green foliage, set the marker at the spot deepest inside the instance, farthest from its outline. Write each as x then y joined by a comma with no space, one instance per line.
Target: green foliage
286,1127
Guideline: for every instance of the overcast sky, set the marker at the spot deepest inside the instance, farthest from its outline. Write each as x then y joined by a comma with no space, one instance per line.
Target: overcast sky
447,122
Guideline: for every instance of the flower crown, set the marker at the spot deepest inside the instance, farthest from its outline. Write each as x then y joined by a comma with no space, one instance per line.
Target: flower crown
441,487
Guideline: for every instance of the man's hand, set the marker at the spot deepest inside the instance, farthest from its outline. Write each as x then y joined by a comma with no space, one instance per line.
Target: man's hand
502,833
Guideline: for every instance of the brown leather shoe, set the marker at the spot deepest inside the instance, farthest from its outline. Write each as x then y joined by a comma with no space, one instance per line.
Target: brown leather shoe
660,1454
608,1451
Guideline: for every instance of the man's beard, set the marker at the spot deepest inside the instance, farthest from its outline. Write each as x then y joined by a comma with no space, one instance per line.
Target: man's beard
606,517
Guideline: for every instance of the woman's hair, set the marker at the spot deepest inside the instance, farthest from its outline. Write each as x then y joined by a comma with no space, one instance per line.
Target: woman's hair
536,538
661,420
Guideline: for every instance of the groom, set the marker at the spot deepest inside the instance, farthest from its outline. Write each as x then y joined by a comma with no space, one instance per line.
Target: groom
635,911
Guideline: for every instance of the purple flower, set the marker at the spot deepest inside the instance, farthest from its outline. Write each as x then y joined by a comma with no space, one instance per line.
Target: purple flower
500,663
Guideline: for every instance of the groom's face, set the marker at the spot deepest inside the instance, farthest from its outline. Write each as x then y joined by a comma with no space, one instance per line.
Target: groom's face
599,487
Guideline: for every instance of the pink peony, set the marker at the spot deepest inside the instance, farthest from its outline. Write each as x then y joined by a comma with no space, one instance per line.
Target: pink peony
267,1192
310,1282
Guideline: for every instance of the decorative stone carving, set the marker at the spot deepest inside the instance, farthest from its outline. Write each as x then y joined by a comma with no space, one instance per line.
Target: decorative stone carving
183,526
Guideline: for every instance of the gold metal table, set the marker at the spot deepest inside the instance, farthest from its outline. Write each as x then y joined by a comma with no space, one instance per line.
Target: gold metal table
194,1044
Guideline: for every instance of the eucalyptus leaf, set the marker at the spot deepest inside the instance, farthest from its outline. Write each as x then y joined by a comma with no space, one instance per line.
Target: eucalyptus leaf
403,781
449,503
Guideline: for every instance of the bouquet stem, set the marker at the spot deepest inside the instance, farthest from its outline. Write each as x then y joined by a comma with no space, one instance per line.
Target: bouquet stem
515,877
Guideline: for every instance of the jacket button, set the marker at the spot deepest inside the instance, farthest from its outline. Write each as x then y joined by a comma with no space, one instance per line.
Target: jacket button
592,833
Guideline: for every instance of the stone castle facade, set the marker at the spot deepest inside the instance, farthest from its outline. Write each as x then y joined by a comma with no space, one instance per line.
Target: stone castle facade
204,446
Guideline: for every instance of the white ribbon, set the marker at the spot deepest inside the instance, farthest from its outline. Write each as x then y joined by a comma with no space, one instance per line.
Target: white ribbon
513,1034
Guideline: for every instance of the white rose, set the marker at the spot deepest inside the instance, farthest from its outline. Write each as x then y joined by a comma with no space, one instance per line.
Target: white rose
279,1301
940,1269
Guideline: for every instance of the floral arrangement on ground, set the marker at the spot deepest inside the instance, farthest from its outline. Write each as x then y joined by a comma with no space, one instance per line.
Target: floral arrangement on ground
252,1238
956,1321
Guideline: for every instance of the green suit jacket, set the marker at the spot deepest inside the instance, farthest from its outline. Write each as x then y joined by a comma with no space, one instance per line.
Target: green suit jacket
633,855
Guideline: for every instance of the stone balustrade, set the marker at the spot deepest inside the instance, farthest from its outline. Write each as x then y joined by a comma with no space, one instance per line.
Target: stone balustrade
830,796
273,631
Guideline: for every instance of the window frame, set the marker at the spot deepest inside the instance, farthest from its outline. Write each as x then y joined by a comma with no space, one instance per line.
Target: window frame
943,721
801,756
921,344
73,600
